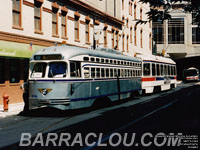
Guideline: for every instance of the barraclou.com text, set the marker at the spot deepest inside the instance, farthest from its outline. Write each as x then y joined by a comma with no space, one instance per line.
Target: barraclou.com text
93,139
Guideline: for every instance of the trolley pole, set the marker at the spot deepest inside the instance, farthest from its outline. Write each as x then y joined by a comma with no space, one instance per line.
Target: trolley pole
94,41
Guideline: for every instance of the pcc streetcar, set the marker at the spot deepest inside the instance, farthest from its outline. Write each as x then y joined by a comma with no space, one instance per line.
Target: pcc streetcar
191,74
67,77
158,73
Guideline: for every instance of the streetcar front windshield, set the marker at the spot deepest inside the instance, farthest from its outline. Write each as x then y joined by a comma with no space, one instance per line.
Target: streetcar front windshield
39,70
57,69
191,73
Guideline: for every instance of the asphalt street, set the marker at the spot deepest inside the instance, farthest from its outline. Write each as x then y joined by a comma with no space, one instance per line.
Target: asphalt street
167,113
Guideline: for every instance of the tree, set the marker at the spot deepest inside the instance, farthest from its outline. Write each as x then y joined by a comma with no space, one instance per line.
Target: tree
165,6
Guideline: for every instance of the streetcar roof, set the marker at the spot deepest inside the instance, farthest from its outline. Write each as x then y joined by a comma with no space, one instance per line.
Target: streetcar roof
154,58
192,68
71,51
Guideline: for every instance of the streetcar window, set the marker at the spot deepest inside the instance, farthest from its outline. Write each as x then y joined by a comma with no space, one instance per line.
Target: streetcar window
119,73
122,72
86,72
161,69
133,73
146,70
139,72
92,72
107,72
153,69
115,72
111,72
75,69
130,71
102,72
158,69
172,71
98,72
97,59
57,69
126,73
165,70
169,71
92,59
39,70
86,58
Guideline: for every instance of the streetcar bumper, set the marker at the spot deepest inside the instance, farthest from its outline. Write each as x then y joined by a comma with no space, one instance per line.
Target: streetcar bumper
57,103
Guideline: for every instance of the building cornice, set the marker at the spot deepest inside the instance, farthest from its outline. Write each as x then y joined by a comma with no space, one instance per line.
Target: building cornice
93,11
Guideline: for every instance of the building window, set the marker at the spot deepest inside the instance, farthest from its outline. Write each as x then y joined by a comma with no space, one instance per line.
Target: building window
55,21
105,37
122,4
64,24
113,39
141,38
141,13
150,41
16,13
2,76
127,43
14,70
38,16
131,35
130,8
158,32
135,35
127,21
196,35
135,7
76,28
87,32
123,42
176,31
116,40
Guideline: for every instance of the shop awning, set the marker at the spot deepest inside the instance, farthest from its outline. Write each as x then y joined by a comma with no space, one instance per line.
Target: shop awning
14,49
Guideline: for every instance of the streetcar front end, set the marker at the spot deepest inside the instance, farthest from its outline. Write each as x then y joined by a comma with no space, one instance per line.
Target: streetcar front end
47,82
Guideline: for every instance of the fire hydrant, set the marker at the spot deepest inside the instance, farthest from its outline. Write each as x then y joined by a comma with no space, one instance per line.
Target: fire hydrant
5,102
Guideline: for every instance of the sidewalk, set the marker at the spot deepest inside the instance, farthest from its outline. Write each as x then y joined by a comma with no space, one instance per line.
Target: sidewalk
13,109
179,81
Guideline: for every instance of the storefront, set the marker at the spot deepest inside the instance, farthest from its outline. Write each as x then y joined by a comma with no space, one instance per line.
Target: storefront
14,62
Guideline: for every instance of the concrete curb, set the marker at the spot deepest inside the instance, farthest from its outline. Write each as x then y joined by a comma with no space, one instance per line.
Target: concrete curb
13,109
